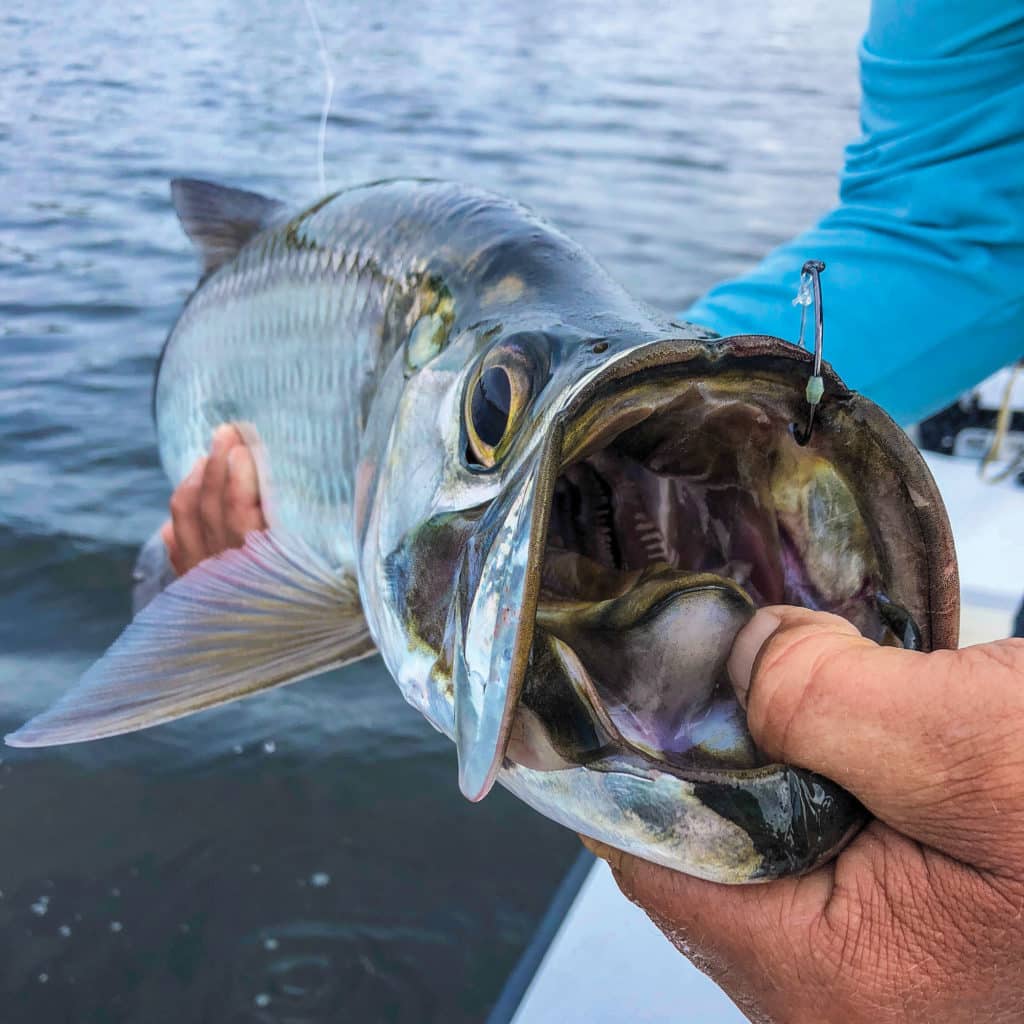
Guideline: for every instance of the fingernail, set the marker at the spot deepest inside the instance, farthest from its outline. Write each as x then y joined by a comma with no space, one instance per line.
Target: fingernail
749,641
602,851
221,436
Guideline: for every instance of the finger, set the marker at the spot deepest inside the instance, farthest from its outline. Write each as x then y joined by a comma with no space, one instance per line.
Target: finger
188,531
211,498
928,742
242,509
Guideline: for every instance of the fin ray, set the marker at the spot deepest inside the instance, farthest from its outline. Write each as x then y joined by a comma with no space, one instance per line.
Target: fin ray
249,619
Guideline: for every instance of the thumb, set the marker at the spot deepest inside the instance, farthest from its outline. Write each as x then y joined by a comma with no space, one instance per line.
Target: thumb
929,743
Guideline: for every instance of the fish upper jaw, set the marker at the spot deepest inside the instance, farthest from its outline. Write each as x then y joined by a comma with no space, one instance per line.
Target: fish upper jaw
493,616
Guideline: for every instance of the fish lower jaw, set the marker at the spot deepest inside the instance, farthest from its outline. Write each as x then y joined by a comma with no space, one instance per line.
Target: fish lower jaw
638,680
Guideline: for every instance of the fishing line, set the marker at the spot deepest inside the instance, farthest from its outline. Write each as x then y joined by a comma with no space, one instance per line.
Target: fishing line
328,94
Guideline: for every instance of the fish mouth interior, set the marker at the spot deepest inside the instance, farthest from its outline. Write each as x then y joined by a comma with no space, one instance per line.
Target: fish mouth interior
664,534
722,487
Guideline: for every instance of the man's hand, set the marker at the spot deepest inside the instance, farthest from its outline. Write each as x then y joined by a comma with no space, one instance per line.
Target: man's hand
921,917
216,505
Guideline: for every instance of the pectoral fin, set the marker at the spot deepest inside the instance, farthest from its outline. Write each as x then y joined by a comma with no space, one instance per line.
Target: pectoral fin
260,616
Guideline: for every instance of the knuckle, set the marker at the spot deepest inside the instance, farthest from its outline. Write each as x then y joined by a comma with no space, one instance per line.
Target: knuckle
1004,656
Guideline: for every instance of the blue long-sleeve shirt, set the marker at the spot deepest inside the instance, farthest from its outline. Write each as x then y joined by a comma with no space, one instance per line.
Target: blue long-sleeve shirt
924,291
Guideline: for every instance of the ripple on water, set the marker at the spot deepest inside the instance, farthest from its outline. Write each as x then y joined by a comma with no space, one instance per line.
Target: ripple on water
318,972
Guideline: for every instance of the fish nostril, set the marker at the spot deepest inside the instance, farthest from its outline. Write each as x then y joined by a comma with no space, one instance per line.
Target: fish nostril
598,347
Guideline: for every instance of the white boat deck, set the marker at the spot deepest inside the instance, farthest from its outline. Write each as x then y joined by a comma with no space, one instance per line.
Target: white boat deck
607,964
988,527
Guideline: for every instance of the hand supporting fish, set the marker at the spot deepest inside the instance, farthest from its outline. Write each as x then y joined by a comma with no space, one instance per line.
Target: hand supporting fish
550,509
216,505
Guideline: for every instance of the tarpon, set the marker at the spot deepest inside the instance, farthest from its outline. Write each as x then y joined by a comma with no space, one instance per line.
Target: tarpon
549,507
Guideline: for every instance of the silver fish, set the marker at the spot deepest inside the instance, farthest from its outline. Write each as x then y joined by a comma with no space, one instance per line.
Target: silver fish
547,506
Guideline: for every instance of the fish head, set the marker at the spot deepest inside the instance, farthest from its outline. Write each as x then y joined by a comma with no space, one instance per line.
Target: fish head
449,442
561,534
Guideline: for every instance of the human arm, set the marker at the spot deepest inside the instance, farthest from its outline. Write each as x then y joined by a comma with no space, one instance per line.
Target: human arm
924,291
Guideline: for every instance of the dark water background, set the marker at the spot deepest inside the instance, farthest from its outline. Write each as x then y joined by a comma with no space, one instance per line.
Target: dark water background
305,856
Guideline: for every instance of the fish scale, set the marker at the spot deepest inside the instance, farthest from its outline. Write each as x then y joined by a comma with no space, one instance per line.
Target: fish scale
315,331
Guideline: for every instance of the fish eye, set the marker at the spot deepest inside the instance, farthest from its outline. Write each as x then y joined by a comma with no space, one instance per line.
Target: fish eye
496,399
492,399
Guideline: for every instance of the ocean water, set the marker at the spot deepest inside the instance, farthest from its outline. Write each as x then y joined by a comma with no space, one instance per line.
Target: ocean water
305,856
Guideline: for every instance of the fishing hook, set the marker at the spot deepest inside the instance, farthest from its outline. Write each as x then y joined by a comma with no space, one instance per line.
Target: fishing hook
810,291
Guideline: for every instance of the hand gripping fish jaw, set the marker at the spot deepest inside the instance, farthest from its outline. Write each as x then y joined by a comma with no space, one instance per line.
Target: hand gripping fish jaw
680,500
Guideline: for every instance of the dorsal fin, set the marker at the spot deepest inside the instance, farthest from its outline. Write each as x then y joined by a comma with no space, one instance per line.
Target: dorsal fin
220,220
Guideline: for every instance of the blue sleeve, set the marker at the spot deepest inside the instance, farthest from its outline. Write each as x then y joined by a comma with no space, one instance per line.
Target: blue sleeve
924,291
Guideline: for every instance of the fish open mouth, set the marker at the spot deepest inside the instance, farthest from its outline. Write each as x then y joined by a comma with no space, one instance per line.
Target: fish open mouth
682,505
602,590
